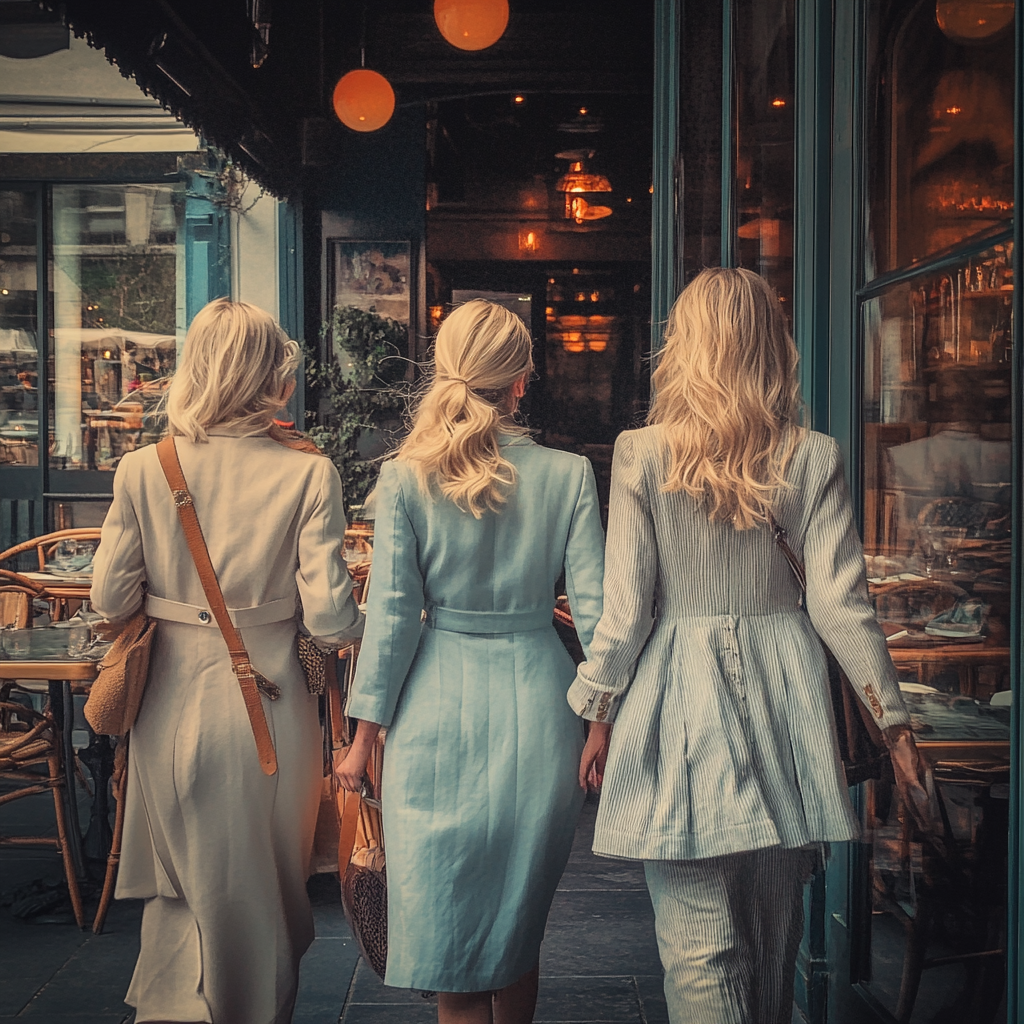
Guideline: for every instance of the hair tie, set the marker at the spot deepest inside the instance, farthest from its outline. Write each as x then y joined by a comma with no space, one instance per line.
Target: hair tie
461,380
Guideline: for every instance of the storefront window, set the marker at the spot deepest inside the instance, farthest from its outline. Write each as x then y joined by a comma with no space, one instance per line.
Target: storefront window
940,106
118,293
937,465
764,127
19,339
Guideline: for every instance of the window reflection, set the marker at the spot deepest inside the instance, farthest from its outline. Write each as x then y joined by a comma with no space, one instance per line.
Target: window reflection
937,470
940,144
764,44
118,295
937,466
19,386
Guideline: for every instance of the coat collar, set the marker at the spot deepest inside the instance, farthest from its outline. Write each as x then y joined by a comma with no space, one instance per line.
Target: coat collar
510,440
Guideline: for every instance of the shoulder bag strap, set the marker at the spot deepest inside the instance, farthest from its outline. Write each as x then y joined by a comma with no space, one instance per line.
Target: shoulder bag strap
248,678
779,535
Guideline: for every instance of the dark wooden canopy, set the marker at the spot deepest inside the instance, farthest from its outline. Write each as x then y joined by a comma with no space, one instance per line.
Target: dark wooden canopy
196,57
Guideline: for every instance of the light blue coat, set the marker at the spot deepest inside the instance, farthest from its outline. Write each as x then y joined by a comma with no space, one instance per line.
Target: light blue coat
479,791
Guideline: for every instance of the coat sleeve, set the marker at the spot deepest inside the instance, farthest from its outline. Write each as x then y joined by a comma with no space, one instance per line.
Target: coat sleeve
119,572
837,598
394,609
329,610
584,560
629,579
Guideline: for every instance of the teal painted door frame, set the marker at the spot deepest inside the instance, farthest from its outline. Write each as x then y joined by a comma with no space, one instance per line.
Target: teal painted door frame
666,209
1015,924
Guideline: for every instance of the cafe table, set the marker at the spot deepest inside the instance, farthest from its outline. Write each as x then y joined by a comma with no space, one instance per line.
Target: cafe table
61,591
65,676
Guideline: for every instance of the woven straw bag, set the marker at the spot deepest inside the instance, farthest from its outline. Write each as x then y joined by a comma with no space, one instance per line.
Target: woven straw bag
116,694
361,866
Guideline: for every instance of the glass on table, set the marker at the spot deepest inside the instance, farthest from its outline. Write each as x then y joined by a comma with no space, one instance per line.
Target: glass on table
64,553
940,546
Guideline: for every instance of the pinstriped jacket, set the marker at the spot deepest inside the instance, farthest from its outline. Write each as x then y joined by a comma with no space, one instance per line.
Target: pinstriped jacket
715,676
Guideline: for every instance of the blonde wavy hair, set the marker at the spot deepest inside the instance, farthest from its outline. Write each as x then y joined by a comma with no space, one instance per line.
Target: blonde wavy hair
482,349
235,370
727,396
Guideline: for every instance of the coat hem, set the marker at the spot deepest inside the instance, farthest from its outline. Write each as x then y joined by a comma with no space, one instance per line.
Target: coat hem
453,982
619,846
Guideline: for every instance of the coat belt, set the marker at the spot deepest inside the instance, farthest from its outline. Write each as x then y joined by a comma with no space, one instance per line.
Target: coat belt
455,620
197,615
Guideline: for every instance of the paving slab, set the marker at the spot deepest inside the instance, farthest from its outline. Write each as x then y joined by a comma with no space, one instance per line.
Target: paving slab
599,961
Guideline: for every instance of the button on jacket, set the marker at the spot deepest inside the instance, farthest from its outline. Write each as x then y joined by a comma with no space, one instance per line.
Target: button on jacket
714,675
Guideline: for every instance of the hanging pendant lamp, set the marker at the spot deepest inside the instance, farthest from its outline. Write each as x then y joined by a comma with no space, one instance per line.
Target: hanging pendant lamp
471,24
364,100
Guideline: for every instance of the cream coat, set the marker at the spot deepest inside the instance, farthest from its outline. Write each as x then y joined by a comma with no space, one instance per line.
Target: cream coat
219,850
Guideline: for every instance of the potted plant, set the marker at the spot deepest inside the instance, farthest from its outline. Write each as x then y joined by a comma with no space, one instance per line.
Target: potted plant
360,396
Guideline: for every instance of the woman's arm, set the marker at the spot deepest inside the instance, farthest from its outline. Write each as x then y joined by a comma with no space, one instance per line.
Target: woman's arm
584,560
118,568
837,599
394,609
629,578
329,610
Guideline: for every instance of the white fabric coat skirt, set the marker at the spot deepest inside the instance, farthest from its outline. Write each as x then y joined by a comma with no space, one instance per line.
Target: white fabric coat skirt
219,850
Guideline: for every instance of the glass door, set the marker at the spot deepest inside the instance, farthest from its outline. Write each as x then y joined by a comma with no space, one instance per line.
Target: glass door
936,460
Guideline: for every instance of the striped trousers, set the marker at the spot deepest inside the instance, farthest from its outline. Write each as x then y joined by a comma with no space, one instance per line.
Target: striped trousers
728,930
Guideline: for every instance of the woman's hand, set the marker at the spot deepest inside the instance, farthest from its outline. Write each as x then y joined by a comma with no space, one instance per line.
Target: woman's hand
909,771
595,754
352,770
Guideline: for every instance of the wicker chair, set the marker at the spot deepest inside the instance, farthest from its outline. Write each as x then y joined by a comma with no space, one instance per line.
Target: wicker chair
62,601
30,740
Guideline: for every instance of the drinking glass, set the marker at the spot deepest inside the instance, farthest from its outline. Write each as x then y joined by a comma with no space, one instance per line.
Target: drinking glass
941,544
79,638
64,553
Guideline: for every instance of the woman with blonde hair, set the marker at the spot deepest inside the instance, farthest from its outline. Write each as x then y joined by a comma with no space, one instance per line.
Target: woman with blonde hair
475,523
723,773
218,849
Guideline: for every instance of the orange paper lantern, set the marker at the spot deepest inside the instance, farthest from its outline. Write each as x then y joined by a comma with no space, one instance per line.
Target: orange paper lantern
364,100
471,24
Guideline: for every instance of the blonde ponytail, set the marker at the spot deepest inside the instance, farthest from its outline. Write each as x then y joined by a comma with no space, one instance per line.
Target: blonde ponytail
482,349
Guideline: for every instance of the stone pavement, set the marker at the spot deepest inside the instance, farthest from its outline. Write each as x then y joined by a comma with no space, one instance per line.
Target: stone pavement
599,962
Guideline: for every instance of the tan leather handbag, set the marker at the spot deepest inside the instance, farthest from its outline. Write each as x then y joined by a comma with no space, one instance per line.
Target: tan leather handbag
116,693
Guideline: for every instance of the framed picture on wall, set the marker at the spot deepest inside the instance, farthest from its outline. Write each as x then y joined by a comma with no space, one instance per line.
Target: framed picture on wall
372,275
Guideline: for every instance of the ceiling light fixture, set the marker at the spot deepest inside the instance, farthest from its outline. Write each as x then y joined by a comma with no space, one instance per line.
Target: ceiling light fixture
578,181
471,24
973,21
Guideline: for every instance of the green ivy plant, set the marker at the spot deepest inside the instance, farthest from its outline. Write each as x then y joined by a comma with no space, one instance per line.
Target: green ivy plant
360,397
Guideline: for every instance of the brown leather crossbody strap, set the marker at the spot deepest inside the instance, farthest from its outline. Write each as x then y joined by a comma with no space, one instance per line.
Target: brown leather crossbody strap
779,534
248,678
